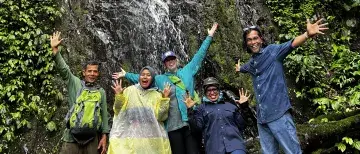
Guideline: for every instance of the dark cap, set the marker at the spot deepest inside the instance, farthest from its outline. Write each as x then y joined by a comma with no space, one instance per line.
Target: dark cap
167,54
210,81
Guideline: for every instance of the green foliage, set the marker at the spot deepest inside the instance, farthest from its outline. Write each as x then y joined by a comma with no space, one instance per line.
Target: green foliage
51,126
346,141
326,68
341,147
26,68
226,47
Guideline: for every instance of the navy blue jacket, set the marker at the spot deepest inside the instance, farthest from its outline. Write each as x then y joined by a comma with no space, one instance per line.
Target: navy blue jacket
221,124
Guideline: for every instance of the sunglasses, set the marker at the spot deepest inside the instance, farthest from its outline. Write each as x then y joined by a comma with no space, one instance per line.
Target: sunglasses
250,28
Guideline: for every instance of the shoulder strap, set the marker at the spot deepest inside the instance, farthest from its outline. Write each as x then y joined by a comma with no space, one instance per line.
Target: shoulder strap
67,117
177,81
81,89
83,86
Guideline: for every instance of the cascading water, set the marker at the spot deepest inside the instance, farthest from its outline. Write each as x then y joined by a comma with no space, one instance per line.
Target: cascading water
134,33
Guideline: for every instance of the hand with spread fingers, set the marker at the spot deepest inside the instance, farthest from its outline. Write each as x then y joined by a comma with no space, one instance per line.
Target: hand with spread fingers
167,89
118,75
55,42
244,97
188,101
315,28
117,87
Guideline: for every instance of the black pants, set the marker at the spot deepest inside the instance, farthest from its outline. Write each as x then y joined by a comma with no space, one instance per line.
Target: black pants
182,141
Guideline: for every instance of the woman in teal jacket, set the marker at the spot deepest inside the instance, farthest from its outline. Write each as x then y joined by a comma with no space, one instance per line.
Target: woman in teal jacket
181,80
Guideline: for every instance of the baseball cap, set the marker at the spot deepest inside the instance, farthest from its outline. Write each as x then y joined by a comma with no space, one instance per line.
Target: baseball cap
167,54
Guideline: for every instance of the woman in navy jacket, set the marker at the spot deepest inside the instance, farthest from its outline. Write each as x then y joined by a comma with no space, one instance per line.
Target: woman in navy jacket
220,121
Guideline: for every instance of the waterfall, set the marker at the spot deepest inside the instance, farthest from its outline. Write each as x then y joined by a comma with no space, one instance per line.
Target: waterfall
135,32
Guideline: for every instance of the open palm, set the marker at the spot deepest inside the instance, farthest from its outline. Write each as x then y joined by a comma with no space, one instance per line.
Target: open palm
55,41
316,28
244,97
188,101
117,87
118,75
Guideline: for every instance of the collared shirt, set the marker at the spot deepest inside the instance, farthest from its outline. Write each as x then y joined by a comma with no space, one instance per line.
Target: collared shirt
266,68
220,123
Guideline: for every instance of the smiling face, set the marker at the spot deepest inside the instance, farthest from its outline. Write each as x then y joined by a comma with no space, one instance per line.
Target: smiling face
254,41
171,63
145,78
91,73
212,93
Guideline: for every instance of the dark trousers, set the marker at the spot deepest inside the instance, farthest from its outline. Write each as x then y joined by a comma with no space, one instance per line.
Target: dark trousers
75,148
182,141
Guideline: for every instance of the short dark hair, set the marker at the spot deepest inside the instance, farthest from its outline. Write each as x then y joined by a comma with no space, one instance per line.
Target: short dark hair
246,31
91,62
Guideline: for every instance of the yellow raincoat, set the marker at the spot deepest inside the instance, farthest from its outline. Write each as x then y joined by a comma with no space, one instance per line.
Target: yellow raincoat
138,126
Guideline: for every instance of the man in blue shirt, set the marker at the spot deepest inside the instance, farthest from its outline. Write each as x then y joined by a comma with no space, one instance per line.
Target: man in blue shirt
275,124
220,122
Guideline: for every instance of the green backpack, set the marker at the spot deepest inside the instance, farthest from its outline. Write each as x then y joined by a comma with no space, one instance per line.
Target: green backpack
84,117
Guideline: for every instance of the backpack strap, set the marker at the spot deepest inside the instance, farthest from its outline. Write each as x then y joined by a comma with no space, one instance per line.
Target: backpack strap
83,86
178,82
68,115
97,107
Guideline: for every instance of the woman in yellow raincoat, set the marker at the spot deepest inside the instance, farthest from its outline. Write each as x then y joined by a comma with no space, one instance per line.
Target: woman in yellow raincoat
140,111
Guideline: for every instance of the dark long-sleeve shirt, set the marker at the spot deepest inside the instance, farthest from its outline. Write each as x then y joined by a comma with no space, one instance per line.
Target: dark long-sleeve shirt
221,124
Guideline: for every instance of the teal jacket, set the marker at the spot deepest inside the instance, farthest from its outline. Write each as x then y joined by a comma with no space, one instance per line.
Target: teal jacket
186,74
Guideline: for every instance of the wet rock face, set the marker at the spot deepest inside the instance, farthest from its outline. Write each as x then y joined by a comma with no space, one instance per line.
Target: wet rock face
137,32
127,31
256,13
134,33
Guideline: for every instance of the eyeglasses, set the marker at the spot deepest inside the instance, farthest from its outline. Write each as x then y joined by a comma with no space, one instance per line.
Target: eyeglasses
212,90
250,28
